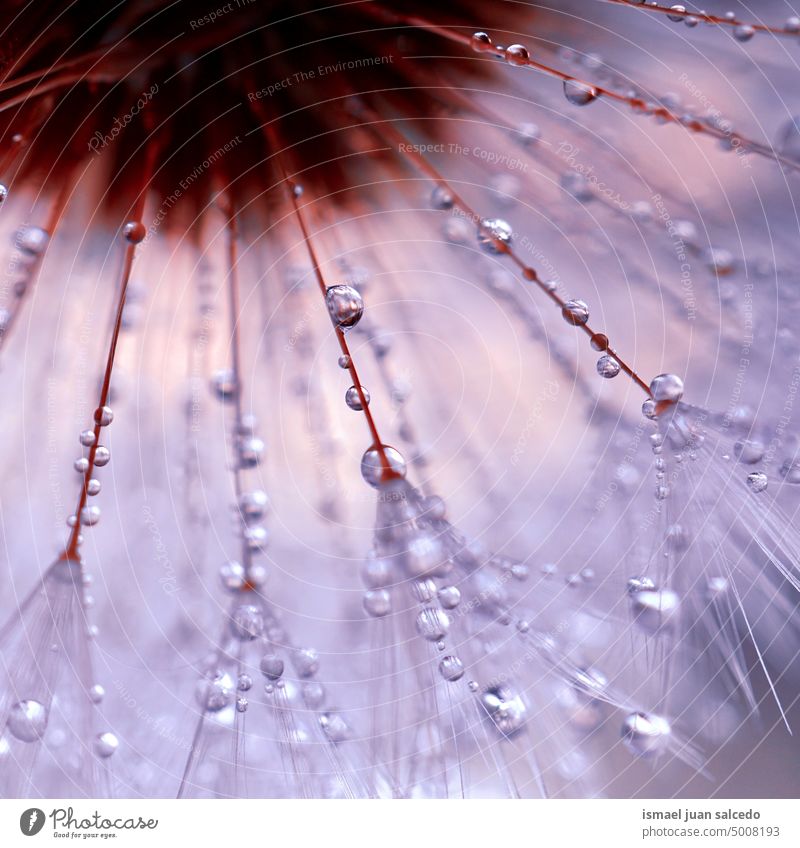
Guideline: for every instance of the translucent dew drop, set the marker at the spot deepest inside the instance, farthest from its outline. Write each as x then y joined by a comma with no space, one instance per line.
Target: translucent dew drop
579,93
271,666
442,198
575,312
102,456
481,42
790,471
757,481
90,515
353,400
223,384
517,54
667,387
32,240
493,233
677,18
749,451
372,464
607,367
232,575
253,504
134,232
215,693
645,734
27,720
377,603
345,306
247,622
655,609
744,32
432,624
105,744
449,597
451,668
505,709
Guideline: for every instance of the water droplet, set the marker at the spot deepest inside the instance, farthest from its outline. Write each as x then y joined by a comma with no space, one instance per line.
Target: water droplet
232,575
649,409
102,456
104,416
575,312
442,198
27,720
749,451
244,683
256,537
579,93
492,233
344,362
271,666
667,387
345,305
87,438
97,693
451,669
377,602
251,450
247,623
253,504
449,597
90,515
505,708
432,624
105,744
677,18
134,232
481,42
645,734
306,662
790,471
352,399
372,464
32,240
599,341
744,32
223,384
757,481
335,727
655,609
517,55
528,134
215,693
607,367
241,704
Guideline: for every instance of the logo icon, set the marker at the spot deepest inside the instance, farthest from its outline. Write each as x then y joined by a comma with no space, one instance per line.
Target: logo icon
31,821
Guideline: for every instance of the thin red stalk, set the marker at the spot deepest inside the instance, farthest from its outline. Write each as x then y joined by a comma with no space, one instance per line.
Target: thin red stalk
405,149
638,104
73,544
704,18
388,472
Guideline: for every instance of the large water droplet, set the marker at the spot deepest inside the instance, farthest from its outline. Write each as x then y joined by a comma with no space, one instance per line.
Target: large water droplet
667,387
372,464
345,305
27,720
579,93
645,734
